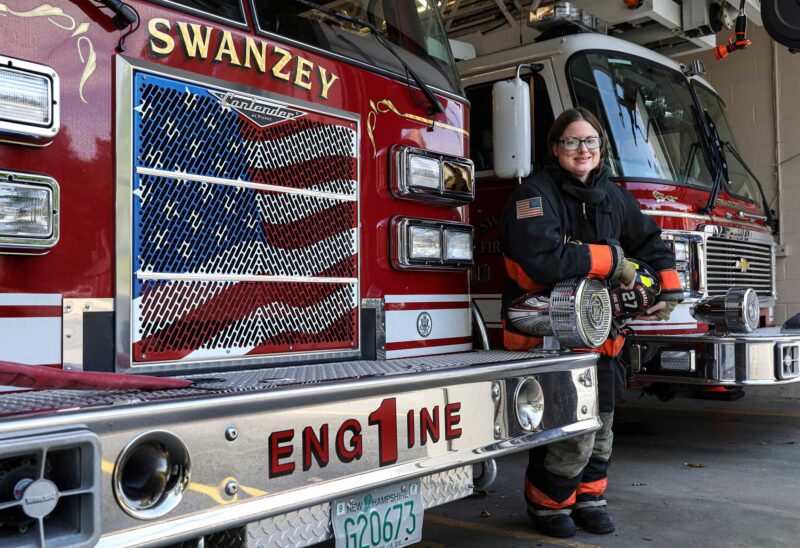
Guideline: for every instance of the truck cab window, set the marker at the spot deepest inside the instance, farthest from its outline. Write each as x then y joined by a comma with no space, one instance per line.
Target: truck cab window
741,184
231,10
648,113
481,147
413,26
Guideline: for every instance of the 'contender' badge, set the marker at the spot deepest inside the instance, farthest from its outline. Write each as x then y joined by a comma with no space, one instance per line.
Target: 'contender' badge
259,111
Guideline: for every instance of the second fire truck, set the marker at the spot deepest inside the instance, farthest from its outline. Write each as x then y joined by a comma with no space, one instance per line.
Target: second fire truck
670,145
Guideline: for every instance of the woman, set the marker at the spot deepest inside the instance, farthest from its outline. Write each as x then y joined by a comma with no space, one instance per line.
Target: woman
570,220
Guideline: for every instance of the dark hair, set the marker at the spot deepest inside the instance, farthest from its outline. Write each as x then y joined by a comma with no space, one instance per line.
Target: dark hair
564,120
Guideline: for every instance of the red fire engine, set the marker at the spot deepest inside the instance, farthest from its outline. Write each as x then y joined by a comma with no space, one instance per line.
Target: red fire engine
265,200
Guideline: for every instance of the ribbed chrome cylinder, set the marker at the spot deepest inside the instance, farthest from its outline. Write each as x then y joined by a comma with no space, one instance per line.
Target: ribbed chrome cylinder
736,311
577,312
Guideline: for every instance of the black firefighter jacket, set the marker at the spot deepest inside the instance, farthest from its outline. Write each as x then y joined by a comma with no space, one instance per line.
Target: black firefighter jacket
555,227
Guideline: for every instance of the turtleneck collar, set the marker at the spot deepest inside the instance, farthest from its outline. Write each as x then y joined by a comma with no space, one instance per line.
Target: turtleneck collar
593,191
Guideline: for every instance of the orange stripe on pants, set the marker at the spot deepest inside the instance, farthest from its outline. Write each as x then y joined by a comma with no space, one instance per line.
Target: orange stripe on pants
595,488
537,497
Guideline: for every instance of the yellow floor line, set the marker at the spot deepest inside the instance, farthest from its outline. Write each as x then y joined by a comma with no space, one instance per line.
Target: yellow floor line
717,411
498,531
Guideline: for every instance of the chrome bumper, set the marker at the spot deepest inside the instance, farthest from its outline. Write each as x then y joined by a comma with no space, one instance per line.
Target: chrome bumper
764,357
468,401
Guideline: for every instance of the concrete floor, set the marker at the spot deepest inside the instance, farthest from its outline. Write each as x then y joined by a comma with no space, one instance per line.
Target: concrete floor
685,473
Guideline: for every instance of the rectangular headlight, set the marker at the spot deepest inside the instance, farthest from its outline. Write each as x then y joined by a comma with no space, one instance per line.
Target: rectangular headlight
28,212
458,245
24,97
25,211
432,177
685,276
681,250
28,99
424,242
424,172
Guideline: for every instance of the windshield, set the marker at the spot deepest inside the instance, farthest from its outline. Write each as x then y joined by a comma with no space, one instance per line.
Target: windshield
648,113
741,184
413,26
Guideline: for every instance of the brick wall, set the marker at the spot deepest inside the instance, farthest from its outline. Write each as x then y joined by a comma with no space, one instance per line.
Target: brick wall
746,82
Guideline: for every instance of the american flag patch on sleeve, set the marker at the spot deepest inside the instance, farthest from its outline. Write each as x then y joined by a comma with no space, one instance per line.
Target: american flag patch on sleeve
529,207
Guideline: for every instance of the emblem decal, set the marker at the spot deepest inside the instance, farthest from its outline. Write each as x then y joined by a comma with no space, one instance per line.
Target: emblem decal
261,112
424,324
730,204
661,197
596,312
385,106
742,264
57,17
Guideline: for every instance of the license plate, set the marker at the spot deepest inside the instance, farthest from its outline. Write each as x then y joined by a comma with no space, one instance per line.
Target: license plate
388,517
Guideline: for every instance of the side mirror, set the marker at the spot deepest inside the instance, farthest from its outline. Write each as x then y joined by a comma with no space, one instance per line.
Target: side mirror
511,128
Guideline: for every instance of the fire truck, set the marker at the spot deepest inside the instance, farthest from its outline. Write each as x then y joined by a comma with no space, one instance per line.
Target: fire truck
234,293
670,145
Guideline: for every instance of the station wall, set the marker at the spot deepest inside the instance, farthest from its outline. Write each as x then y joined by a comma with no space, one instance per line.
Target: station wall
761,87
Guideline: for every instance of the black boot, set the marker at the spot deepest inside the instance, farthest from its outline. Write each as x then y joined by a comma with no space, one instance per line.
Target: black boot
553,525
593,519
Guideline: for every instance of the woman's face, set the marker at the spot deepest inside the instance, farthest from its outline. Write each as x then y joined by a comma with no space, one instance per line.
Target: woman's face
581,161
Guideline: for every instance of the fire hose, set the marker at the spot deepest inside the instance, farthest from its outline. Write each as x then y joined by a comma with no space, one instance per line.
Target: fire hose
42,377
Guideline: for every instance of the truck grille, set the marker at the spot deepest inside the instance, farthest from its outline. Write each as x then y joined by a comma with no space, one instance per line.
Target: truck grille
245,219
739,263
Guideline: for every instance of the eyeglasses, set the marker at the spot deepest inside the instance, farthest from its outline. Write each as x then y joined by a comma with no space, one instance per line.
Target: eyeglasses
571,144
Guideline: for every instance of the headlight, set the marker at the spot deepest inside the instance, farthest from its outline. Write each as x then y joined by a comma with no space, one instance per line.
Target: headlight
685,277
458,246
681,251
684,246
424,172
28,212
426,176
424,242
29,99
428,244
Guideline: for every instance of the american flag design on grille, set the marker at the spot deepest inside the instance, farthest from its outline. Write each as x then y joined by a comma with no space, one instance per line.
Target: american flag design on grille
529,207
244,237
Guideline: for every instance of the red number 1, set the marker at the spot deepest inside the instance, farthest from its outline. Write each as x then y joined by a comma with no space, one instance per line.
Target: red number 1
385,416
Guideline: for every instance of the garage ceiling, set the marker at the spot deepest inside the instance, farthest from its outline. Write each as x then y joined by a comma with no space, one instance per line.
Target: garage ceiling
671,27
